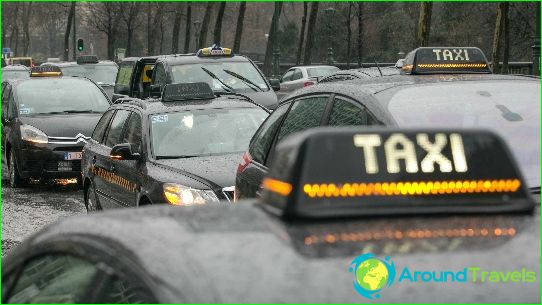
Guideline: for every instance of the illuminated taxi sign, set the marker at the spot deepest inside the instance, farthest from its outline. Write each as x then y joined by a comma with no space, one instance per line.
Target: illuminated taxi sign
214,51
346,172
187,91
45,71
87,59
429,60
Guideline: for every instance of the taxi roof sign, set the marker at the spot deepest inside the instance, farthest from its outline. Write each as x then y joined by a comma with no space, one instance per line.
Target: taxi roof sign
45,71
87,59
354,172
187,91
214,51
437,60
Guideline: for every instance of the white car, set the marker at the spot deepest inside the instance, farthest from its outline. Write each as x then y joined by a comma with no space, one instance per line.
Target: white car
302,76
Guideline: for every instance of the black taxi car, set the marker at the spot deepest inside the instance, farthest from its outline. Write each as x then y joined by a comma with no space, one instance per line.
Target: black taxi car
432,91
326,230
181,149
219,67
46,121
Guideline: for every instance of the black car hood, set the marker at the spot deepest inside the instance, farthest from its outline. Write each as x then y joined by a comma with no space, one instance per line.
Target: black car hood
268,99
215,171
64,125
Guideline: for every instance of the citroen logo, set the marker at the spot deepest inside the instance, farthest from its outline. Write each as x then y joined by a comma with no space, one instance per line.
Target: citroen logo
81,138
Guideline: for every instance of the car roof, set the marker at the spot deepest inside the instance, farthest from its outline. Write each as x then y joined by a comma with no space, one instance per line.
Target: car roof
240,253
35,79
73,63
15,68
192,58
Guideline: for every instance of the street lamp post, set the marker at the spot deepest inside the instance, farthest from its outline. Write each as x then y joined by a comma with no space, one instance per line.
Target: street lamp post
197,25
330,12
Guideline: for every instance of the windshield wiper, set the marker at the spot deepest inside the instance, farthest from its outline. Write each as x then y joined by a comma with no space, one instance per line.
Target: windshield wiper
175,157
224,85
71,111
252,85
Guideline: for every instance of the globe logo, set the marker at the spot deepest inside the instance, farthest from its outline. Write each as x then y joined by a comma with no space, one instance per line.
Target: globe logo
372,274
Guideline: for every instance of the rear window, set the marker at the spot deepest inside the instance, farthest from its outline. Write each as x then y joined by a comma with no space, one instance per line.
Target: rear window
511,108
104,74
321,71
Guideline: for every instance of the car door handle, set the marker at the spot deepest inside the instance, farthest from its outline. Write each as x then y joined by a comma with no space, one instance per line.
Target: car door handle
94,160
112,168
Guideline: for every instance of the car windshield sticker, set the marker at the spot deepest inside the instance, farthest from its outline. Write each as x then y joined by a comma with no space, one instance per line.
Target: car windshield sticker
159,118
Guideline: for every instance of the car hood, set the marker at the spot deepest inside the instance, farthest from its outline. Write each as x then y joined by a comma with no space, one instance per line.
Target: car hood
215,171
64,125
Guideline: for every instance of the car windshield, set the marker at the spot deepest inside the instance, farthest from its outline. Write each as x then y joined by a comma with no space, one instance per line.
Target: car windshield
512,109
59,95
191,73
204,132
321,71
15,74
104,74
22,61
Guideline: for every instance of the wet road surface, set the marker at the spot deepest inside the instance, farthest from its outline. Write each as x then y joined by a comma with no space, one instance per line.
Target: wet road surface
27,210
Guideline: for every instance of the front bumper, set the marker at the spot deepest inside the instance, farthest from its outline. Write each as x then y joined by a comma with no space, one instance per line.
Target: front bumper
48,162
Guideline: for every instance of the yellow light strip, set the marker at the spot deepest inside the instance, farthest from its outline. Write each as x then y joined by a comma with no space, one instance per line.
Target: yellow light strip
407,67
411,188
451,65
44,74
331,238
277,186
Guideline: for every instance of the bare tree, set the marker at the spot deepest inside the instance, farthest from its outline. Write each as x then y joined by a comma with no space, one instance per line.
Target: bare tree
129,14
104,17
205,25
188,27
152,22
302,33
310,33
506,56
272,39
27,13
360,34
218,24
176,28
495,55
239,28
424,24
348,24
67,33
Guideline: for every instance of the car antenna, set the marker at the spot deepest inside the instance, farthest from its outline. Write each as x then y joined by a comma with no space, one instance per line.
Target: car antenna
378,67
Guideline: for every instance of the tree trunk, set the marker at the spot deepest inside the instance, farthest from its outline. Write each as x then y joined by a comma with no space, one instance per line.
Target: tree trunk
506,46
218,24
424,24
14,27
27,13
67,33
271,40
239,28
150,39
188,25
495,55
310,33
360,34
205,25
302,33
161,36
176,28
349,34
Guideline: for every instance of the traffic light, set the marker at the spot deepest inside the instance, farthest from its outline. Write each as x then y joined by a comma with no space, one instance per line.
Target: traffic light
80,45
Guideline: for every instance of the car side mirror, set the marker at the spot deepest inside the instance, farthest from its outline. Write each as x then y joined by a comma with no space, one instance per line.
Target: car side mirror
400,63
123,152
275,84
156,91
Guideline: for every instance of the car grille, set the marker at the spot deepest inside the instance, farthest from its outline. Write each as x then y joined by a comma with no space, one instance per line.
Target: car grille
228,192
78,139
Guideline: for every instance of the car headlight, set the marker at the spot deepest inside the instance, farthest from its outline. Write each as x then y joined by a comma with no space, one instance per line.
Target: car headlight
177,194
33,135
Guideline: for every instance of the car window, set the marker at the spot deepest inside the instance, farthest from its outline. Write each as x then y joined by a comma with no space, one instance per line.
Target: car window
287,76
264,136
297,74
160,75
123,292
132,134
304,114
99,131
345,113
124,74
117,125
11,106
54,279
321,71
102,74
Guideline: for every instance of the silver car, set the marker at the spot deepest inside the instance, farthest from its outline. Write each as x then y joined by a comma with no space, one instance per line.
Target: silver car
302,76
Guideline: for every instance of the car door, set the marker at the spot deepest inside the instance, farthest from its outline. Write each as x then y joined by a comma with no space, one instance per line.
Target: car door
9,122
129,172
298,81
104,167
6,90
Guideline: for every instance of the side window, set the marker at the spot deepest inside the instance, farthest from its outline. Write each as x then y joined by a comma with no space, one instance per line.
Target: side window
11,106
121,292
117,126
132,134
345,113
124,75
99,131
287,76
159,75
304,114
297,74
6,90
264,136
54,279
371,120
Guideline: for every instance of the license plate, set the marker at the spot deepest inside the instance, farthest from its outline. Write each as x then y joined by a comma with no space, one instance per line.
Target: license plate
73,156
64,166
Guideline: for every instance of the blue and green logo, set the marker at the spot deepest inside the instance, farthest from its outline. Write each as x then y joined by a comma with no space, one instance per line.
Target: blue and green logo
372,274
